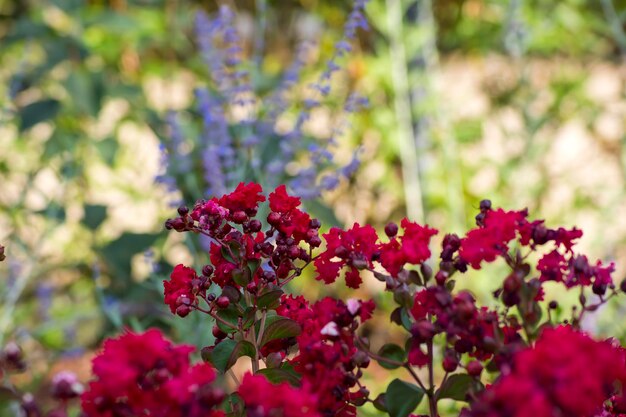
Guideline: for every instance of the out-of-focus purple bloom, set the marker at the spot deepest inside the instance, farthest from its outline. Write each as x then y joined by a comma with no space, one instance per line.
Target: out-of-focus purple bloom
349,170
220,47
238,127
179,155
163,177
329,182
44,300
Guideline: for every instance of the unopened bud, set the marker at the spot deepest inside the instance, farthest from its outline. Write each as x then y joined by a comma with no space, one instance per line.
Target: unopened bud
391,229
474,368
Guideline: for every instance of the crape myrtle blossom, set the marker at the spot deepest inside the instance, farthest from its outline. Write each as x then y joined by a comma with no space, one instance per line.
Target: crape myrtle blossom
146,375
565,373
316,364
308,357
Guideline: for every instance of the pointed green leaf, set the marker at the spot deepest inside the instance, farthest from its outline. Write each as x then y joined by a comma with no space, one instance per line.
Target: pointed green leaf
457,386
38,112
393,352
224,355
229,315
402,398
278,375
280,328
270,299
94,216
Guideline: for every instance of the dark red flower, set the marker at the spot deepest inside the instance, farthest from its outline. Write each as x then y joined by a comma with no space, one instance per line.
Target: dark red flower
182,288
281,202
278,400
353,248
144,374
246,198
492,239
566,373
411,248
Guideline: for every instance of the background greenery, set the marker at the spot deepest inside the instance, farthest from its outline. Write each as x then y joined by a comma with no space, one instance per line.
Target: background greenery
520,101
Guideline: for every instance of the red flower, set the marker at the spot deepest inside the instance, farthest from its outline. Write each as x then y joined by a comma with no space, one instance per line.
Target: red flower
326,349
287,218
246,198
552,266
281,400
145,374
411,248
491,240
353,248
565,373
281,202
181,290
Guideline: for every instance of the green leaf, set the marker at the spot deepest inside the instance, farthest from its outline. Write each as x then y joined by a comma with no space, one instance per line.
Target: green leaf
402,398
107,148
231,293
281,328
456,387
393,352
118,255
249,317
269,299
405,319
242,276
38,112
283,374
53,211
253,265
225,354
94,216
233,248
229,315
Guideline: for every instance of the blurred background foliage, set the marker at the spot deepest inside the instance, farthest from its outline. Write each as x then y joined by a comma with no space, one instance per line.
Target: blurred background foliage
519,101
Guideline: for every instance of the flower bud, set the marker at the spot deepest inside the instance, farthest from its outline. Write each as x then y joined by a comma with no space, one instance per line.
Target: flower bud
391,229
183,310
223,302
450,362
485,205
361,359
427,272
423,331
254,225
207,270
274,218
474,368
218,333
342,252
65,385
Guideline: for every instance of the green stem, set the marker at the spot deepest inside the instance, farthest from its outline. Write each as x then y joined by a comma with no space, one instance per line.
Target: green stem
402,104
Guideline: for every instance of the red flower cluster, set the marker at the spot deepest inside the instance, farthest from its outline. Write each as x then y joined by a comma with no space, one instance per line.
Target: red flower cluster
359,247
145,375
262,398
242,255
181,292
574,270
354,248
498,228
566,373
328,360
477,331
411,248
